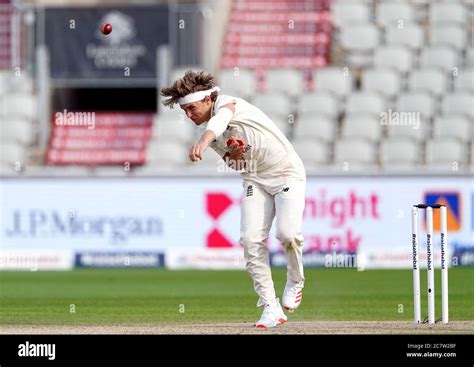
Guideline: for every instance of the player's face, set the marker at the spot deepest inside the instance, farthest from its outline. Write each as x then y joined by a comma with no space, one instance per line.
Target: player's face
199,111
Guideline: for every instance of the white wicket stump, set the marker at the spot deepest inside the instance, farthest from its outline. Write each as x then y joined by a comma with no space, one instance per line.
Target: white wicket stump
430,265
444,265
416,266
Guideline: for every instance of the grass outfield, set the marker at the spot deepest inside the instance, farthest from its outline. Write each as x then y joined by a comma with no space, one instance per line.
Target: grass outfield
135,296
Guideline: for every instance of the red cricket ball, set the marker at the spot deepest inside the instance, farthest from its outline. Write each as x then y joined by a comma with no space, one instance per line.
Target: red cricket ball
239,142
106,28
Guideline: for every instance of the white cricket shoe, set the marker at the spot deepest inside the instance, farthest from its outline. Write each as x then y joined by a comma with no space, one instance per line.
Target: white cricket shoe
292,297
272,315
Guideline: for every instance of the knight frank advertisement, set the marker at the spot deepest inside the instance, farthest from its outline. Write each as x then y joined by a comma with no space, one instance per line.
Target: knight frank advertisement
126,54
184,217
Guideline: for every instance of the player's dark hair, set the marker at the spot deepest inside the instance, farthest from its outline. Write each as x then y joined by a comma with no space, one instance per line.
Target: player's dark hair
191,82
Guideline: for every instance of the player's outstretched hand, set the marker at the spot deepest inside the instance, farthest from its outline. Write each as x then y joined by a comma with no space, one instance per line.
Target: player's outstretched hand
195,152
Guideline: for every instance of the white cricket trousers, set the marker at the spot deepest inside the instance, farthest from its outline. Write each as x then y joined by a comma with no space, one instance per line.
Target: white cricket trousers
283,197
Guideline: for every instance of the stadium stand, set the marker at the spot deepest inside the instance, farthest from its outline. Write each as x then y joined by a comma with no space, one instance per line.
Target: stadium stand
410,60
373,83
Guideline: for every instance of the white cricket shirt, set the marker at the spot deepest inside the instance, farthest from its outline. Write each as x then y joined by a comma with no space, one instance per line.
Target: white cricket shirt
266,146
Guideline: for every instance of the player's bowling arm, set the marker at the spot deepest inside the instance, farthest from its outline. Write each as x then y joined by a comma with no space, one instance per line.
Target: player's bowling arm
196,151
215,127
218,123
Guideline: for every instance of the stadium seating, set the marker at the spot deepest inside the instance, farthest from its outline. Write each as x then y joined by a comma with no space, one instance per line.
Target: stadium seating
334,80
383,81
238,82
417,102
350,12
362,126
410,35
328,80
313,153
361,102
315,127
390,13
356,152
465,81
397,57
453,126
318,103
274,104
458,103
428,81
287,81
18,121
448,13
399,152
448,35
445,151
442,57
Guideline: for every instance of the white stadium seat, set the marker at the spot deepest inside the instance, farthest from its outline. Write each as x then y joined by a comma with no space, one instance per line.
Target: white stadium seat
313,153
344,13
438,57
362,126
19,105
166,153
318,102
445,151
390,13
20,83
360,102
396,57
334,80
417,102
16,130
360,37
427,80
448,12
359,41
274,103
12,153
357,151
242,82
458,103
453,126
399,151
15,83
410,35
464,81
383,81
312,126
407,125
287,81
448,35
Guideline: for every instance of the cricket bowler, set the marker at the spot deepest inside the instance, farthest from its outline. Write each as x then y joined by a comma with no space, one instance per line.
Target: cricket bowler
274,182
